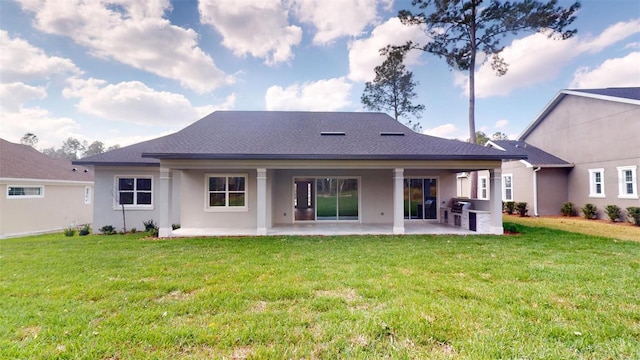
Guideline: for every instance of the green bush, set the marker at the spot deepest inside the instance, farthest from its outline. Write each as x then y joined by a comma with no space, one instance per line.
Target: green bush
589,211
567,209
133,230
175,226
521,208
613,212
108,230
634,214
69,231
149,225
84,230
509,207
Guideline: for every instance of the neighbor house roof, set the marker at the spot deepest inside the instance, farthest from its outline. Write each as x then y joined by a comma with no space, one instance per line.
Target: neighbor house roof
628,95
297,135
535,156
24,162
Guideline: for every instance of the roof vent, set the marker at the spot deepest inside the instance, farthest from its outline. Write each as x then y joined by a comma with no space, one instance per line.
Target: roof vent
332,133
391,133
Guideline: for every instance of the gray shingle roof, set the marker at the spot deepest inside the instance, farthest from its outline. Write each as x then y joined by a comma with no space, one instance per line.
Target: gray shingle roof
297,135
19,161
625,93
535,156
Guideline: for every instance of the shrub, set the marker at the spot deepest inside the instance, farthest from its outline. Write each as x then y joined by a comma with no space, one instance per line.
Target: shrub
175,226
149,225
69,231
613,212
521,208
133,230
154,232
634,214
84,230
567,209
589,211
509,207
108,230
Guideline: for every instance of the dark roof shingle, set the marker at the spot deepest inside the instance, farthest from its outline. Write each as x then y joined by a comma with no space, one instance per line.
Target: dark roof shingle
24,162
535,156
632,93
297,135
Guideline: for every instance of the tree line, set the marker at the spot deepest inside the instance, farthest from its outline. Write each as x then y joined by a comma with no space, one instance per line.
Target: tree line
71,149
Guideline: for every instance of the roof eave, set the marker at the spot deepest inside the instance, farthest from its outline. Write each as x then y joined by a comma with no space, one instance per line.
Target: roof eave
115,163
176,156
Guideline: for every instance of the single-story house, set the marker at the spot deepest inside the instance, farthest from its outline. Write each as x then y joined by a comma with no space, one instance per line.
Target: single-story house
277,172
584,147
41,194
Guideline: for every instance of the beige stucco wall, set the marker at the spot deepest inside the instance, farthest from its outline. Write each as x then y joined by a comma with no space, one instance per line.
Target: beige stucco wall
552,190
592,134
62,205
107,212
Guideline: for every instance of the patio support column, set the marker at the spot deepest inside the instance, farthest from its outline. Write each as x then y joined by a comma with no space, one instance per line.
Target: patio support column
495,202
398,201
261,206
163,202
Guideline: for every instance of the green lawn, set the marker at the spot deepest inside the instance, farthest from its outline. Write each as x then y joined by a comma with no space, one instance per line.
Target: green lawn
543,294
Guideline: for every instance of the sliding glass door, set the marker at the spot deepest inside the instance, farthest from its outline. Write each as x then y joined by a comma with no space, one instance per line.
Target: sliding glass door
420,198
337,199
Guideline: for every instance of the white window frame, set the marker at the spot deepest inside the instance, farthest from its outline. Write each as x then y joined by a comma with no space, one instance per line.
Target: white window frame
41,195
593,184
87,195
134,206
504,187
622,182
484,187
226,208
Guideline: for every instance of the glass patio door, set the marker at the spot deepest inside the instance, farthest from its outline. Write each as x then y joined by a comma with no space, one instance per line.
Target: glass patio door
337,199
421,198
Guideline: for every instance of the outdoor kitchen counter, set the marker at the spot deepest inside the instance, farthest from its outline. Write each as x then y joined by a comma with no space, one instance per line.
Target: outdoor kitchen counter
482,219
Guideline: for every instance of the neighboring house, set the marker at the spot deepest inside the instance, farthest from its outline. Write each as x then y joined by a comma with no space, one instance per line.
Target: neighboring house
41,194
584,147
243,172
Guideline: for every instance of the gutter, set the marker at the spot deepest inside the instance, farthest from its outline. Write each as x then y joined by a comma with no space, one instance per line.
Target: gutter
535,191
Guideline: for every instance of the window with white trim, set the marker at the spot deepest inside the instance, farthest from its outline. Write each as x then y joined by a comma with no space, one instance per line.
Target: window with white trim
627,182
135,191
87,195
484,190
226,192
507,187
24,192
596,183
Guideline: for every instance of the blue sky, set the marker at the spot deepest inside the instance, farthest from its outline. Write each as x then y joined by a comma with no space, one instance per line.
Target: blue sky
124,71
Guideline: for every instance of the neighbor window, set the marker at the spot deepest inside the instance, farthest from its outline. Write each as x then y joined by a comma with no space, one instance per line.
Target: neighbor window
135,191
25,192
87,195
226,192
507,187
627,182
596,183
483,187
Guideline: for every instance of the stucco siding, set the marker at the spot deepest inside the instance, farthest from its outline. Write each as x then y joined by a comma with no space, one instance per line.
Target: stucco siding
62,205
552,190
106,209
587,130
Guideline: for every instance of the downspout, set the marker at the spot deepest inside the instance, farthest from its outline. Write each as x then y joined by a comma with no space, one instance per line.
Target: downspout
535,191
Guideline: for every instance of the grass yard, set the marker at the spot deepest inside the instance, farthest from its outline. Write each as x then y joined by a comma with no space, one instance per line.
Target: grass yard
542,294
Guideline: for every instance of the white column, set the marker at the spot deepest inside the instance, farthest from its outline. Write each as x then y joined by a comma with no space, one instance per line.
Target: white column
261,206
495,202
398,201
163,202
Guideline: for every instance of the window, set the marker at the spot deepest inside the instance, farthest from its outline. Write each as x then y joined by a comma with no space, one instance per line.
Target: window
87,195
135,191
627,182
507,187
421,198
24,192
484,194
226,192
596,183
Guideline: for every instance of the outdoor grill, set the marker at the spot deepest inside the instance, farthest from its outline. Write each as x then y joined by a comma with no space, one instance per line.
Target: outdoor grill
459,206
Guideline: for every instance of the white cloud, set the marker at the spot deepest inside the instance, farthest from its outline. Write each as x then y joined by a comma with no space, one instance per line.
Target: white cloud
132,32
256,28
348,18
135,102
14,95
443,131
23,62
619,72
501,123
536,58
633,45
322,95
364,54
